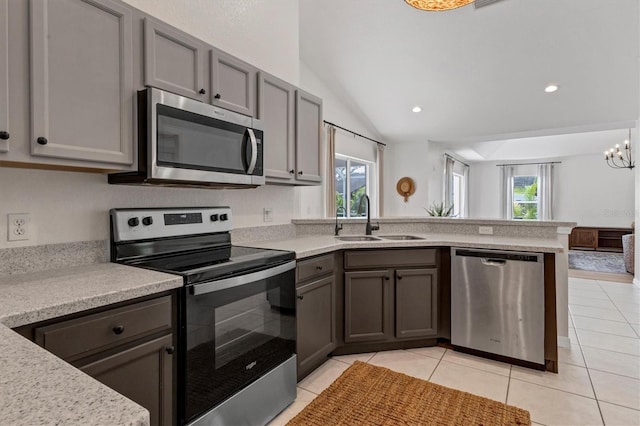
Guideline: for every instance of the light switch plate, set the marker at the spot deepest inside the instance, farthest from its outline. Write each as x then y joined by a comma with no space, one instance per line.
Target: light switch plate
485,230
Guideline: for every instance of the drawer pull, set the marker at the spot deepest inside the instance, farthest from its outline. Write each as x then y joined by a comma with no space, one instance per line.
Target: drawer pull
319,268
301,297
170,350
118,329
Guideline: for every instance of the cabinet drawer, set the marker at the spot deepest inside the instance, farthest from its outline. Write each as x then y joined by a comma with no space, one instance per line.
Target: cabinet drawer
81,336
316,267
389,258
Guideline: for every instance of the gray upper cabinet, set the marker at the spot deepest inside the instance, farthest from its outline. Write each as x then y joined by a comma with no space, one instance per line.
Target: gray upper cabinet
4,75
416,303
175,61
233,83
82,80
308,137
276,111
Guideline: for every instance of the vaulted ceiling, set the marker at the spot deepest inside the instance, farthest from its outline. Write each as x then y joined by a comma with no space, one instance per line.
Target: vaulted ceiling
478,74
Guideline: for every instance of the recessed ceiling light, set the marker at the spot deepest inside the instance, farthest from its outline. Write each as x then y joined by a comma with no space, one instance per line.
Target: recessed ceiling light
416,109
551,88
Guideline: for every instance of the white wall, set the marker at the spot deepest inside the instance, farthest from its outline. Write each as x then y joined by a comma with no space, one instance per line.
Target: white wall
310,200
587,191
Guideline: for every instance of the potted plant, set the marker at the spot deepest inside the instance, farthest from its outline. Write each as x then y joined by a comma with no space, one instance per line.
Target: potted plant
439,210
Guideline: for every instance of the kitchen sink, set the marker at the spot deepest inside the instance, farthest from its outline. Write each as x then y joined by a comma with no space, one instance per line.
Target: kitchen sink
358,238
400,237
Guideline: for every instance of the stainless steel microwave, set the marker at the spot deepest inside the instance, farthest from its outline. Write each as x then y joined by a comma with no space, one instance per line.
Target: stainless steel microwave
184,142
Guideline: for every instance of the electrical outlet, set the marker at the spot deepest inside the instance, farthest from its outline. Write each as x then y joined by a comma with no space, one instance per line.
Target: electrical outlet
485,230
18,226
267,214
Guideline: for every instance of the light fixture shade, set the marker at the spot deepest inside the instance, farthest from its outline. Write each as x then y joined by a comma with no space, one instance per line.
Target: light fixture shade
437,5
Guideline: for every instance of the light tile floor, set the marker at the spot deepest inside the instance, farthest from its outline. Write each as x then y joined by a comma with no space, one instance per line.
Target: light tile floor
598,382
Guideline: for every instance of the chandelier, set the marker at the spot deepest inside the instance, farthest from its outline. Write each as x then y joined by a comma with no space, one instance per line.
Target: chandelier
436,5
618,159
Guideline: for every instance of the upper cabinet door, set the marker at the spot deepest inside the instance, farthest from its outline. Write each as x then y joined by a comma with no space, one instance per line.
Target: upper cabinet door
308,137
4,76
233,83
276,111
82,80
174,61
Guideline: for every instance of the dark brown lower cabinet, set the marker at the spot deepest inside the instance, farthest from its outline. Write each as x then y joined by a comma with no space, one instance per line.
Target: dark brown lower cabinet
143,374
368,306
416,302
316,322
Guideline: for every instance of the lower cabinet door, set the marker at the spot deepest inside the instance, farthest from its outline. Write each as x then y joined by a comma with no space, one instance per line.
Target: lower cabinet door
368,306
416,299
315,316
144,374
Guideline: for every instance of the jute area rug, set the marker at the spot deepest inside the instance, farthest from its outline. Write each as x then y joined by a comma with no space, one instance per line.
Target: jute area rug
368,395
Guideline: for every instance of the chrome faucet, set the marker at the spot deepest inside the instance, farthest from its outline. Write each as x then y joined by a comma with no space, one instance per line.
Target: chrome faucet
338,227
369,227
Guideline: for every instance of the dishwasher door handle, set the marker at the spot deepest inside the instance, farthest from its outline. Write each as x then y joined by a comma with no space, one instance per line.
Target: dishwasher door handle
493,262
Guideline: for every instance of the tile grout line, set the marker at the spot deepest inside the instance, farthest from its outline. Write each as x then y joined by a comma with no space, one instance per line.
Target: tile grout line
437,365
618,309
508,384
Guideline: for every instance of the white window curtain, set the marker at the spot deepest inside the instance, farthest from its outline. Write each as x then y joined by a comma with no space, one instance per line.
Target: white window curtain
448,180
507,191
331,172
545,191
380,164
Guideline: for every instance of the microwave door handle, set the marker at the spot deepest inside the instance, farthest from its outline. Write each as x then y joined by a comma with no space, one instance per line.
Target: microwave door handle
254,151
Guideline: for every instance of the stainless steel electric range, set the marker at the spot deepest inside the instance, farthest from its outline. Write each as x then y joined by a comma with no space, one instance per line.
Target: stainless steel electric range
236,352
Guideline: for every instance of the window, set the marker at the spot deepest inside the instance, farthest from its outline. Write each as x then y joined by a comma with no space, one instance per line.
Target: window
525,197
353,181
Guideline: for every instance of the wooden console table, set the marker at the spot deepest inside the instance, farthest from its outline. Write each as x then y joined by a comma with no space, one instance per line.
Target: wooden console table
599,239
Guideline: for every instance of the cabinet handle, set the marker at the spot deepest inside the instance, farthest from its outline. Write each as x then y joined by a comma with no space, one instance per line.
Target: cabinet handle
300,172
386,277
118,329
301,297
292,171
4,135
170,350
202,92
217,96
319,268
399,276
42,141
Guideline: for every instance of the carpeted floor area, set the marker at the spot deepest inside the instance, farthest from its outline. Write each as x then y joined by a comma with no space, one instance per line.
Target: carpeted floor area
597,261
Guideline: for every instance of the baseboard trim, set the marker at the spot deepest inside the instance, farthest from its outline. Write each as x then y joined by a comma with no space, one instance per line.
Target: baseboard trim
636,281
564,342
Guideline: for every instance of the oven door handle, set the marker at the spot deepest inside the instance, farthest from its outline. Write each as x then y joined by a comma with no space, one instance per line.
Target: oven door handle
254,151
198,289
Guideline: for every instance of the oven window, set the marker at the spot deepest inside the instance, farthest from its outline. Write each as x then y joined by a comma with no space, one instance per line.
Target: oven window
235,336
198,142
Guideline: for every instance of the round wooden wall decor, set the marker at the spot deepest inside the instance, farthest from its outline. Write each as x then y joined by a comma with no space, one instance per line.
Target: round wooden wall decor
406,187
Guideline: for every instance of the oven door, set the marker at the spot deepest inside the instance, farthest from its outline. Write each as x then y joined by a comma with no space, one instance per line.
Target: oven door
237,330
192,141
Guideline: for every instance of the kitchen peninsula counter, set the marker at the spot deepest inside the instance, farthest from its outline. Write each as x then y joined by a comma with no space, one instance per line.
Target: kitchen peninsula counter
38,388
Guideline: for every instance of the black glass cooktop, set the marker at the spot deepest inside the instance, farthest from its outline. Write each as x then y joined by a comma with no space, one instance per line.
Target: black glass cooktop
202,265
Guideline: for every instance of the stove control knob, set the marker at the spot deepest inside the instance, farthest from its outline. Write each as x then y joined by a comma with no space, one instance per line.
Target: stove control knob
134,221
214,218
224,216
146,221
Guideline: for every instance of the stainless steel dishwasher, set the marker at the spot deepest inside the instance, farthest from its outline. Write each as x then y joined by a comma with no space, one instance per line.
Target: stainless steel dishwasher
497,302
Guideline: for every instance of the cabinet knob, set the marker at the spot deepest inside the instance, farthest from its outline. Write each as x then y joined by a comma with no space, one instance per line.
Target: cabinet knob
42,141
217,96
118,329
301,297
300,172
4,135
202,92
386,278
399,277
170,349
292,171
319,268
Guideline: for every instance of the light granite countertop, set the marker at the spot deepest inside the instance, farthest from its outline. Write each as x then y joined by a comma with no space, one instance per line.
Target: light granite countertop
442,220
38,388
314,245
